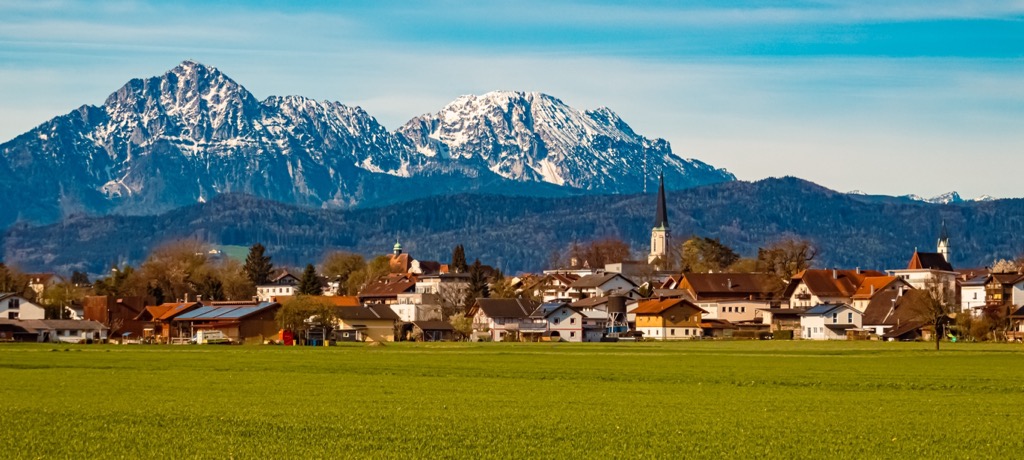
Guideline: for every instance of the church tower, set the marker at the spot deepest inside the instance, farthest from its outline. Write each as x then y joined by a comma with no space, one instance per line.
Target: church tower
660,232
943,245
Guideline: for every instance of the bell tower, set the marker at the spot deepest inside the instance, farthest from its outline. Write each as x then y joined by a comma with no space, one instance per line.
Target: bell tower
660,233
943,245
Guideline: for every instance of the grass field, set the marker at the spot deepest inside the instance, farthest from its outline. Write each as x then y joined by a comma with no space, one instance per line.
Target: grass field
718,399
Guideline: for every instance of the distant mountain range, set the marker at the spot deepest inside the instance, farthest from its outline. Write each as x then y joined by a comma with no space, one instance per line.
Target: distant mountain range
521,233
191,134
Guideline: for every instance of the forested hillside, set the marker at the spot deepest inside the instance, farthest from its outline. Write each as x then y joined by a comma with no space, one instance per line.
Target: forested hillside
521,233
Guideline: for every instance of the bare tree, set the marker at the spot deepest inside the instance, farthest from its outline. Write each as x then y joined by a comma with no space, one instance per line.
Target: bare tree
934,306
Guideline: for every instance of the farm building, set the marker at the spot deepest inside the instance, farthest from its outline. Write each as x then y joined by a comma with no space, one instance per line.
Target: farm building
239,321
117,313
52,330
159,321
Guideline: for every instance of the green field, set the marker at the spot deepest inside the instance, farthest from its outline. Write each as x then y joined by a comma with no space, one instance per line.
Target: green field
717,399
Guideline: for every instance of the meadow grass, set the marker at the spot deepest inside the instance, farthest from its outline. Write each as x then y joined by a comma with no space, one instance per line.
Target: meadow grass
717,399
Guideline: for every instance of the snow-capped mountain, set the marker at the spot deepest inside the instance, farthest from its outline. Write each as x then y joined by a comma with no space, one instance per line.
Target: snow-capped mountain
535,137
192,133
945,198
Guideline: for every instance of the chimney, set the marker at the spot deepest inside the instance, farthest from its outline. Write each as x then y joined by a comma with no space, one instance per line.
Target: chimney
835,274
199,298
899,293
872,289
729,281
858,270
186,297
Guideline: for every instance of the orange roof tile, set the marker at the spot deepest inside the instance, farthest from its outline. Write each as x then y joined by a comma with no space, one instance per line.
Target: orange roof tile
658,306
872,285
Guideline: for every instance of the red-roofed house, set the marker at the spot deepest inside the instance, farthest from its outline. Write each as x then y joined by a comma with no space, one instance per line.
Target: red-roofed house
668,319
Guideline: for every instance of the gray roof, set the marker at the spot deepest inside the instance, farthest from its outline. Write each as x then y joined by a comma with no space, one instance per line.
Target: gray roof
593,281
825,308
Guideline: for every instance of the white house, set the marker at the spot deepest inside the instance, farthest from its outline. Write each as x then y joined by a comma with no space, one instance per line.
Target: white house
284,284
600,285
417,306
925,268
815,287
972,295
573,324
829,321
494,319
13,306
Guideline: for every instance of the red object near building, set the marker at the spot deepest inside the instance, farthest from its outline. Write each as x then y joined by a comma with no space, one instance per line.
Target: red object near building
287,337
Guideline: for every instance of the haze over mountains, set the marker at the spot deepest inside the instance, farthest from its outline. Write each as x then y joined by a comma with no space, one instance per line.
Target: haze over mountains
193,133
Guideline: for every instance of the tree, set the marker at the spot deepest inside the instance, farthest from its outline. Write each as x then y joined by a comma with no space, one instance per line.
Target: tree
501,286
258,266
786,257
1004,266
597,253
234,280
12,280
174,269
934,306
340,265
58,299
210,288
301,313
705,255
122,281
79,279
459,260
478,287
310,282
377,268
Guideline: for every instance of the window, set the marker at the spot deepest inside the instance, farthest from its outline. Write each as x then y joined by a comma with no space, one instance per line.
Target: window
975,296
672,332
835,318
849,317
12,315
743,309
572,320
572,334
687,331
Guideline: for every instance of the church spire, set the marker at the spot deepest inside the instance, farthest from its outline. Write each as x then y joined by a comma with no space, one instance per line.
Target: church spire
660,232
661,218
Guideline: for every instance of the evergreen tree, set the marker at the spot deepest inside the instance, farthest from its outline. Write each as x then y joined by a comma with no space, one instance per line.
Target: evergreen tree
210,288
79,279
478,287
310,282
257,265
459,260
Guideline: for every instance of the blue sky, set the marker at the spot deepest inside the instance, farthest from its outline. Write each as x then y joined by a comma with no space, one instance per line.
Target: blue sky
882,96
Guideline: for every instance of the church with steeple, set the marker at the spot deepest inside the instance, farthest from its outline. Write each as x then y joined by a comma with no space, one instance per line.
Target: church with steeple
660,233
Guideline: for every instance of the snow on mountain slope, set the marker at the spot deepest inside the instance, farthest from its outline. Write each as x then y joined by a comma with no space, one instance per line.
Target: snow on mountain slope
192,133
536,137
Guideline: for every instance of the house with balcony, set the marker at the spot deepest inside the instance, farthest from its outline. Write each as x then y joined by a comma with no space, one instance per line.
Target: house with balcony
813,287
733,297
600,285
668,319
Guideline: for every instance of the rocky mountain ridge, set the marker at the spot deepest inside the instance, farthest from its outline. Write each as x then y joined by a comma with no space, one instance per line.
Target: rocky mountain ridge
193,133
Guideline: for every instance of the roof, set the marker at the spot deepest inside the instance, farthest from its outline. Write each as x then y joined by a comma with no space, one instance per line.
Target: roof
929,261
283,276
226,312
831,283
433,325
341,300
35,325
890,308
594,281
1019,313
661,215
659,306
388,286
153,312
873,285
826,308
547,308
1006,278
903,329
40,278
506,308
717,324
784,311
590,302
367,312
976,281
729,285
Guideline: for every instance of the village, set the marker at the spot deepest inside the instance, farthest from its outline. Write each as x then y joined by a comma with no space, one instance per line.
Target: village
418,300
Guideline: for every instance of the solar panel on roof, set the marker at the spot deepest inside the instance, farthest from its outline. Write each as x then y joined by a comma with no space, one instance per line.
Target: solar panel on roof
221,312
240,312
196,313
